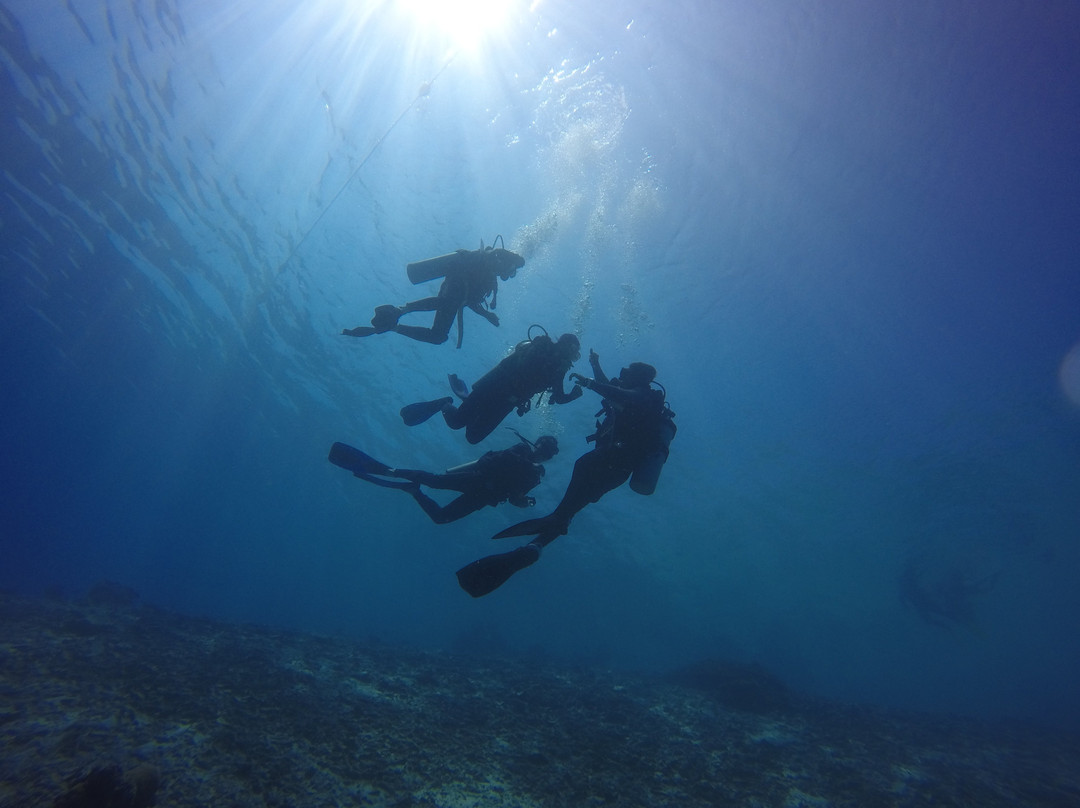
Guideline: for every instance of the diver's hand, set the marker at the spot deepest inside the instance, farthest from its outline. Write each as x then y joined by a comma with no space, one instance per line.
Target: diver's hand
577,378
594,357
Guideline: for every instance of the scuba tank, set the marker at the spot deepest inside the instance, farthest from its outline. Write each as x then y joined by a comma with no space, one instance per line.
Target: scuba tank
517,359
464,468
473,465
433,268
441,265
647,473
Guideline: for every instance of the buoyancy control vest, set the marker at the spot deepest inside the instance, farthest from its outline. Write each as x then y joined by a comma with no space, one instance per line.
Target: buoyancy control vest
533,367
642,431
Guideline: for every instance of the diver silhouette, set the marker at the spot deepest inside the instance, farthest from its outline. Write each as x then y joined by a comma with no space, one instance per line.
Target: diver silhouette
632,441
470,280
495,477
536,365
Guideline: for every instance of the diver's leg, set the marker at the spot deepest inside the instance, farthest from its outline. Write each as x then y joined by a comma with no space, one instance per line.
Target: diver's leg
453,416
444,318
594,475
426,304
384,319
486,419
459,508
440,327
441,482
421,334
417,332
432,508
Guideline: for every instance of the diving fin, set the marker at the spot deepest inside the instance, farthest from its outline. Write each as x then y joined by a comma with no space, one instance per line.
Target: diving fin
413,414
532,527
401,485
459,388
341,454
386,318
487,574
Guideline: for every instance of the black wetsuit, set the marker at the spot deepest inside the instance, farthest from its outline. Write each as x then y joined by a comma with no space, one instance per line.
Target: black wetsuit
470,278
626,436
467,285
496,477
632,430
535,366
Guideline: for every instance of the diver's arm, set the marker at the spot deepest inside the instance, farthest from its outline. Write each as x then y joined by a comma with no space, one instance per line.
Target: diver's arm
560,396
634,395
481,284
597,372
490,316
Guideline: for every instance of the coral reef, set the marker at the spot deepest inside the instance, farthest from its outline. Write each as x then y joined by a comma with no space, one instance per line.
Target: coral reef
219,714
736,685
109,787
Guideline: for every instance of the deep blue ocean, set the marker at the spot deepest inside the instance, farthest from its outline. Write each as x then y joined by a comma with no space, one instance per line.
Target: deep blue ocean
847,235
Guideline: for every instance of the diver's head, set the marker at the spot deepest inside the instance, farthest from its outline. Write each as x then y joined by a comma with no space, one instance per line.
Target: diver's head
571,346
637,374
507,263
545,448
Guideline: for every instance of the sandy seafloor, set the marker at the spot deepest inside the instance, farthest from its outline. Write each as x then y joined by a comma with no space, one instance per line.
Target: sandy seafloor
236,715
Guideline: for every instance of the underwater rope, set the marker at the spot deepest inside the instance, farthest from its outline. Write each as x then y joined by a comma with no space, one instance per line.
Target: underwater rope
425,88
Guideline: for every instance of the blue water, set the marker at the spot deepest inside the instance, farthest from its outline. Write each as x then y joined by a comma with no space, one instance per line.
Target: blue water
846,235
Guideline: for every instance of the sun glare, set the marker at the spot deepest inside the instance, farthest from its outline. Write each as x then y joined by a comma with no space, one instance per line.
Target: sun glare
465,22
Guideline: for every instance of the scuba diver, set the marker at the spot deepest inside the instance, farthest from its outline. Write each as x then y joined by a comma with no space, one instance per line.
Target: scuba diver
631,444
536,365
495,477
471,277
